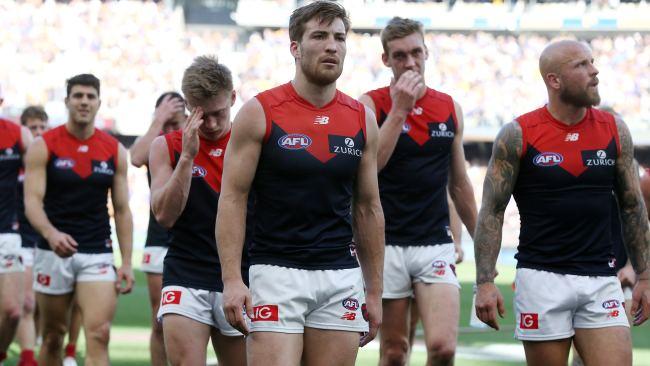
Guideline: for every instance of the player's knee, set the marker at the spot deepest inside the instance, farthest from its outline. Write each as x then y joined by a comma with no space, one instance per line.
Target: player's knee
53,339
29,305
100,333
395,353
441,350
11,312
157,329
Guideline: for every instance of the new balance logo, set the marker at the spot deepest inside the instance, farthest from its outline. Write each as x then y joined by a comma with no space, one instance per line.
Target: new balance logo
321,120
216,152
83,148
572,136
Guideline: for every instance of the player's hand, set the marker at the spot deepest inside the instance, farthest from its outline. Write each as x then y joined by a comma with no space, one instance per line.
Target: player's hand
460,253
169,106
191,134
62,244
404,92
627,276
125,274
237,302
373,314
641,301
488,302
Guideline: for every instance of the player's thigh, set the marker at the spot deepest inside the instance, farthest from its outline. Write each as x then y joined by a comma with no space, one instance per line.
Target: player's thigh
231,351
97,301
547,353
28,289
274,348
154,284
186,339
604,346
395,323
316,341
11,291
439,305
54,311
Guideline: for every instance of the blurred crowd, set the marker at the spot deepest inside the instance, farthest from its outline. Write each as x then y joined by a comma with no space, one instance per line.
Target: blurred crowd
140,49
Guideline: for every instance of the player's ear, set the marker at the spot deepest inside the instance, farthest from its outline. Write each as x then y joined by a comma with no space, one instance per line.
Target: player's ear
384,59
233,98
294,47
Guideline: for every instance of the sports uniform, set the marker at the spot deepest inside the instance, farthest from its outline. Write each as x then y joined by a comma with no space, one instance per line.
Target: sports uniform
192,284
304,271
10,163
413,191
28,235
79,175
157,244
566,271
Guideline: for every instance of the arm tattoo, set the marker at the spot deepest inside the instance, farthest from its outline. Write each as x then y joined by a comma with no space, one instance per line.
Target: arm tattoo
632,206
499,182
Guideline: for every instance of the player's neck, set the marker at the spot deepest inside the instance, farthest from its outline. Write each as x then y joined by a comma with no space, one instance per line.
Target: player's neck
80,131
566,113
317,95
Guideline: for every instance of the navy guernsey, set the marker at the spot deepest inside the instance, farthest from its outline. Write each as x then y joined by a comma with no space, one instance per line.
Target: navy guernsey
10,163
564,193
304,181
413,184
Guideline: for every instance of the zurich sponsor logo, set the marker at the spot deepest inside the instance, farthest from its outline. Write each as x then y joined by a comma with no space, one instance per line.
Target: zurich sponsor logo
611,304
64,163
294,141
548,159
351,303
198,171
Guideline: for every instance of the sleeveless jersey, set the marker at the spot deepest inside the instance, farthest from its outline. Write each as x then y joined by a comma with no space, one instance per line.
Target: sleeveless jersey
157,236
618,244
304,181
28,235
192,259
564,192
79,175
413,184
11,147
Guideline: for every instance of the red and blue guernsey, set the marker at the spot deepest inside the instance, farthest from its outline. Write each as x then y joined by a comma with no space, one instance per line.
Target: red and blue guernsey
11,147
192,259
564,193
79,175
413,184
304,181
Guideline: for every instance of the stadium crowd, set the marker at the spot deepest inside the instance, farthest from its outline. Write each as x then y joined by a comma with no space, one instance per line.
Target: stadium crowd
139,49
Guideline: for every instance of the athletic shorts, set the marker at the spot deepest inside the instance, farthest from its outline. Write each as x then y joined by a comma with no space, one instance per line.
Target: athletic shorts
54,275
152,259
11,260
549,306
404,266
28,256
201,305
286,300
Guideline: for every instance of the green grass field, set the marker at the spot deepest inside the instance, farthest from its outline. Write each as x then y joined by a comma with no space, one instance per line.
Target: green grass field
129,338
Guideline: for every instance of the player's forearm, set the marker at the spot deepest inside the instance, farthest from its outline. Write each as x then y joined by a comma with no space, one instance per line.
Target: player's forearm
37,217
369,237
487,244
388,135
637,237
230,231
463,197
168,202
124,230
140,149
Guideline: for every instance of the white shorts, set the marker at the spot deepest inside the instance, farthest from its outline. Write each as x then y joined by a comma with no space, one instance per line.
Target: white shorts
550,306
286,300
201,305
28,256
10,256
152,259
54,275
404,266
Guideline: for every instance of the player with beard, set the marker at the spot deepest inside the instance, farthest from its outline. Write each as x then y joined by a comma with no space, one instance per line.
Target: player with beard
186,170
308,153
13,144
69,172
561,162
420,157
169,116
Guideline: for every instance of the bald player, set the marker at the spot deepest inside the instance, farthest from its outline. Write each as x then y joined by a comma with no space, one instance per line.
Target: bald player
561,163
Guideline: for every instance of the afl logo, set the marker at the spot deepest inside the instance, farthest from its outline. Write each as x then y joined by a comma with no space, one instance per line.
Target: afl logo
64,163
351,304
198,171
294,141
611,304
406,127
548,159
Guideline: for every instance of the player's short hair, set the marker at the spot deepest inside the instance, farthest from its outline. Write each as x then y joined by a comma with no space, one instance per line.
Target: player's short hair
33,112
399,28
82,79
206,78
325,11
173,94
